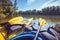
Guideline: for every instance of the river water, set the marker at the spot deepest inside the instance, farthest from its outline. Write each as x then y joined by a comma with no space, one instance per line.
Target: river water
47,25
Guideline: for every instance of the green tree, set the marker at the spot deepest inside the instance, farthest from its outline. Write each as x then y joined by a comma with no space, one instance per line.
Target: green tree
15,8
6,8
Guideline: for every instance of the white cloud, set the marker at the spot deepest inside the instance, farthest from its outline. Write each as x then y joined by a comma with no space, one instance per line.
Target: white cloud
29,2
50,3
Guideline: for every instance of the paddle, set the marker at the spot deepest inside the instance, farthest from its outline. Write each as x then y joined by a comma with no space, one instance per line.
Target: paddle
42,22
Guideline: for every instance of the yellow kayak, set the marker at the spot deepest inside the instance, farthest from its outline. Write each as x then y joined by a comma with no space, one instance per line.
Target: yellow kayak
2,35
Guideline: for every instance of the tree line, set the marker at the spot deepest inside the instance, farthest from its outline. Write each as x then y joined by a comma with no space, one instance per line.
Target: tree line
54,10
7,9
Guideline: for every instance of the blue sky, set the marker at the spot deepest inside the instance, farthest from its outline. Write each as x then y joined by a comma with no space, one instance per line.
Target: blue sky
24,5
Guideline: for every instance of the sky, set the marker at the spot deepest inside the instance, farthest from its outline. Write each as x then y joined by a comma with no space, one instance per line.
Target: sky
24,5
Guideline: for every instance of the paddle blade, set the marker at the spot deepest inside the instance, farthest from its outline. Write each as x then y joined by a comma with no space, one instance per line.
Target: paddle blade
29,21
42,22
16,20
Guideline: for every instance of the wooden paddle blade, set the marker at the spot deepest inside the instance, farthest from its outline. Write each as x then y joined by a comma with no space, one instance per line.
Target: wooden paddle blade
29,21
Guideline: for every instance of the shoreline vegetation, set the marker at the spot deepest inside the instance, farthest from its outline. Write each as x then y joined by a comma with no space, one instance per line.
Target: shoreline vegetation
51,18
8,11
